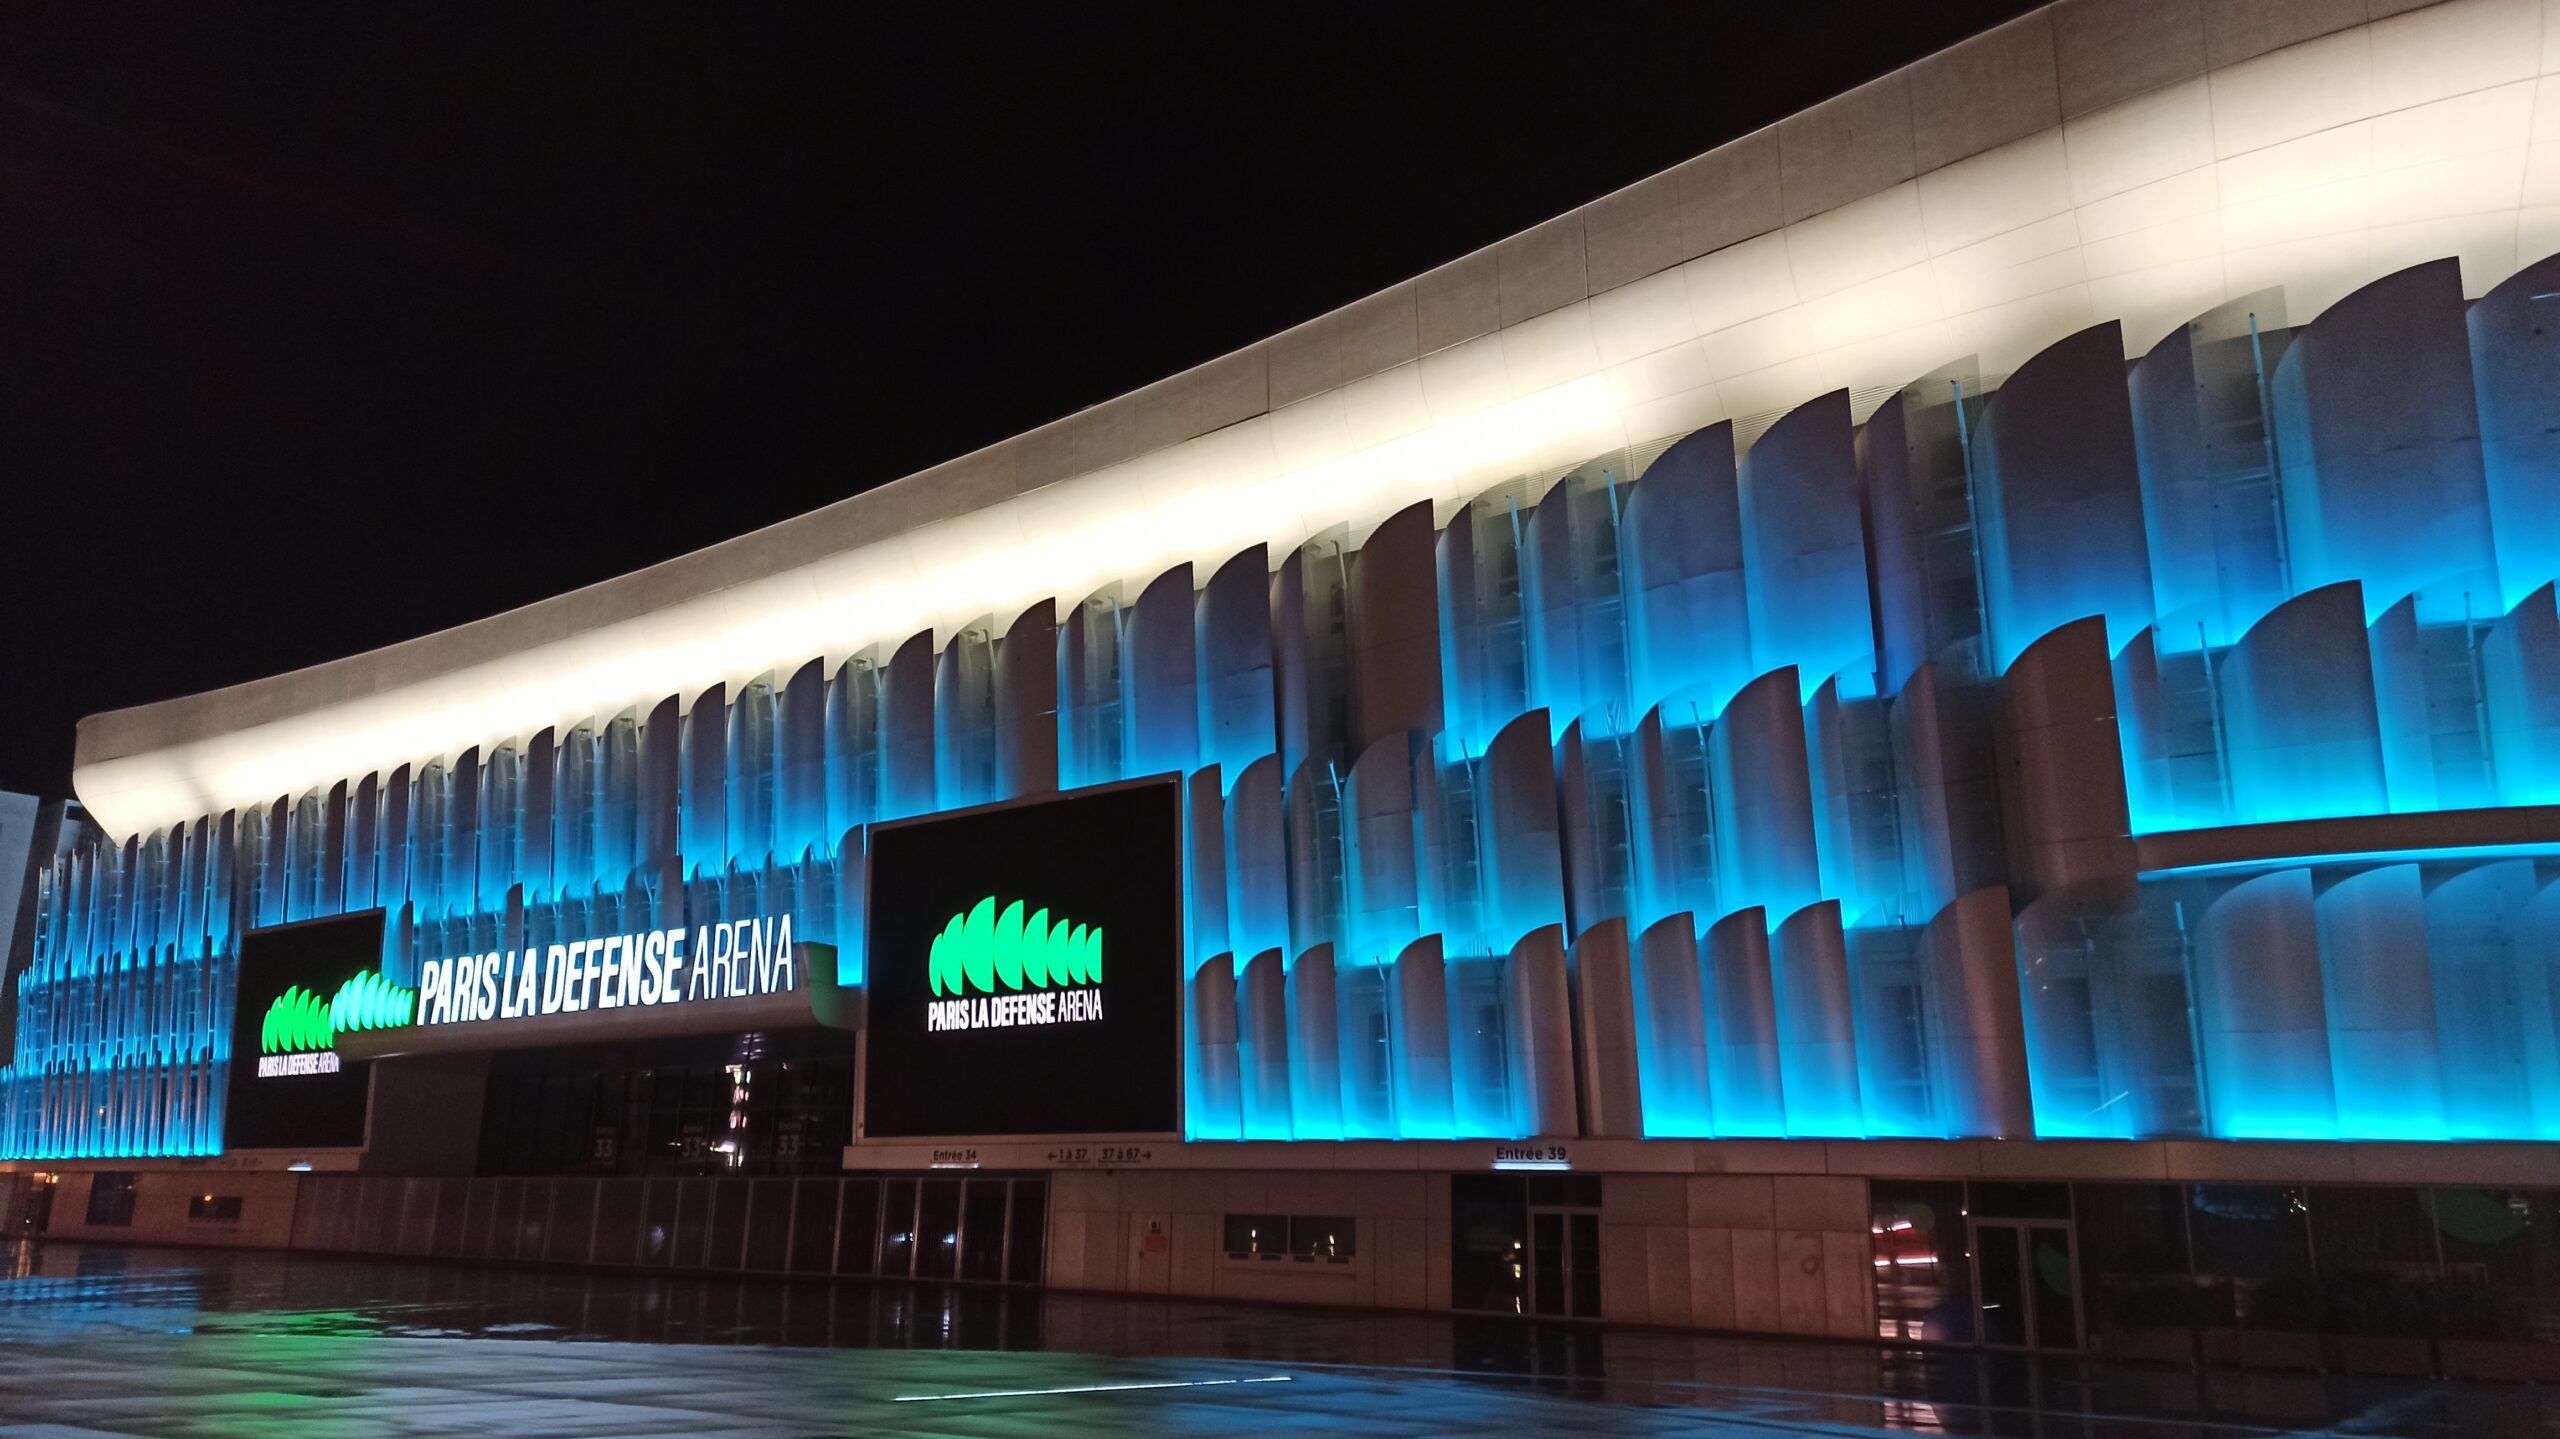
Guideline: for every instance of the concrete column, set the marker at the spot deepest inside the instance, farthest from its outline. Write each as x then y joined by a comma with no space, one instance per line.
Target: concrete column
1817,1023
1605,1020
1971,960
1257,861
704,817
1205,897
966,768
1394,630
1671,1029
1162,664
2515,365
2378,441
2261,1013
800,764
2520,664
1750,1095
1315,1047
1516,802
2381,1002
1944,734
1214,1105
1381,863
1262,1044
1681,570
1026,704
2300,712
1420,1017
1765,853
2058,497
2062,772
2495,1025
1233,620
1805,545
1539,1011
908,754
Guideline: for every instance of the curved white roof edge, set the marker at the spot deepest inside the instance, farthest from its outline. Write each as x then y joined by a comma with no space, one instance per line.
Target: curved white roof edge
2077,165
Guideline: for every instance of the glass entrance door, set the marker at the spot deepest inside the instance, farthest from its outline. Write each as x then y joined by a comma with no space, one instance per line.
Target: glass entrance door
1564,1263
2026,1277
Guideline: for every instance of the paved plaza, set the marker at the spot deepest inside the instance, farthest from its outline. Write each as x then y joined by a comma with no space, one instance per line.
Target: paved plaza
174,1344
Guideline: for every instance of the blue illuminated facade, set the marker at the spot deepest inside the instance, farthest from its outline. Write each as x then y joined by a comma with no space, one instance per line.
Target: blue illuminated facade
2102,750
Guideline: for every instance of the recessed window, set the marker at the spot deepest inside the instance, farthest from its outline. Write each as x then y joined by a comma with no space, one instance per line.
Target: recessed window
111,1200
1303,1238
214,1209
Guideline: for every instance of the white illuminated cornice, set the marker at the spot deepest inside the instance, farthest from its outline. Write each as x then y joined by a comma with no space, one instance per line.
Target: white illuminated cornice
2315,168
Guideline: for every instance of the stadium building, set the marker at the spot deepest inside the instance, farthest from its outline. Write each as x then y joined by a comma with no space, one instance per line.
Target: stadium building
1942,724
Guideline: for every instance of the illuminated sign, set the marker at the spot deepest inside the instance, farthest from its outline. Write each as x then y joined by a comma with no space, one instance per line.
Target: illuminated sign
302,988
1025,970
1000,953
300,1033
739,959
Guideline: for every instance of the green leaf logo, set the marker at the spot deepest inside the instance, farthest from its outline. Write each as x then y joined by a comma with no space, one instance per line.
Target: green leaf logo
299,1021
296,1022
369,1001
991,947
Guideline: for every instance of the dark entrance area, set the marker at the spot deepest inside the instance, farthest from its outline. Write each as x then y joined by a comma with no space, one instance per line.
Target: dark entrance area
1525,1244
737,1105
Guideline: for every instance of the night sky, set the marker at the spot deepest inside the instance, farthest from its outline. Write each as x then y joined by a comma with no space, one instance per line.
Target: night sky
327,325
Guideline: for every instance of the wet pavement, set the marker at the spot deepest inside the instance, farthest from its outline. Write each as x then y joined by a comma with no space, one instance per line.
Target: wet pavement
98,1340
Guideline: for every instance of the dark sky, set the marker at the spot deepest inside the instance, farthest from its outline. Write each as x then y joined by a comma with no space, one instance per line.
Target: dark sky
327,325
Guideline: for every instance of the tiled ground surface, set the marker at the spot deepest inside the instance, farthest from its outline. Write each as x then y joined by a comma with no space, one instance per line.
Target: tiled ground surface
97,1341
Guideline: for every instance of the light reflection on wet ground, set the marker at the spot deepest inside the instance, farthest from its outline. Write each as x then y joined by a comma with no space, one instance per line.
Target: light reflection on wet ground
100,1340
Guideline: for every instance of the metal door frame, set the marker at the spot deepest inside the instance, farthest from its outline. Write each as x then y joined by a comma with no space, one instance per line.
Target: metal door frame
1565,1214
2027,1271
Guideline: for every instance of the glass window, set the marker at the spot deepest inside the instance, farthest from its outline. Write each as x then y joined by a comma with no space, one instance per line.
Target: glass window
618,1207
728,1226
2249,1238
2375,1229
2250,1231
768,1224
1923,1274
898,1230
213,1209
111,1199
813,1227
2021,1201
1565,1191
938,1230
658,1222
2502,1253
1257,1236
693,1222
1488,1243
982,1224
573,1221
2133,1251
860,1237
1030,1224
1329,1238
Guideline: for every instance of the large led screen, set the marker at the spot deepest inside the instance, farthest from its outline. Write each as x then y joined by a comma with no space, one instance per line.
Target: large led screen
1024,969
301,987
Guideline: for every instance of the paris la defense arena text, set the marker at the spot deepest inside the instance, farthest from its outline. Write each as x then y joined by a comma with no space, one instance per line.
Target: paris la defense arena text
1940,725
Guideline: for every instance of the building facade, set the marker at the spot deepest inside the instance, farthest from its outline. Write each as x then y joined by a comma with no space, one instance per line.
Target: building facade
1943,724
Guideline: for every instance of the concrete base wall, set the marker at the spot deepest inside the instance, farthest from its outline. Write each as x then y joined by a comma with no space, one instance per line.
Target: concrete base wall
1777,1254
160,1202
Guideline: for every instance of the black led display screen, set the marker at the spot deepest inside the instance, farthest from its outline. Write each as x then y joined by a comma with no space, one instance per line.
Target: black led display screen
1025,969
300,986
